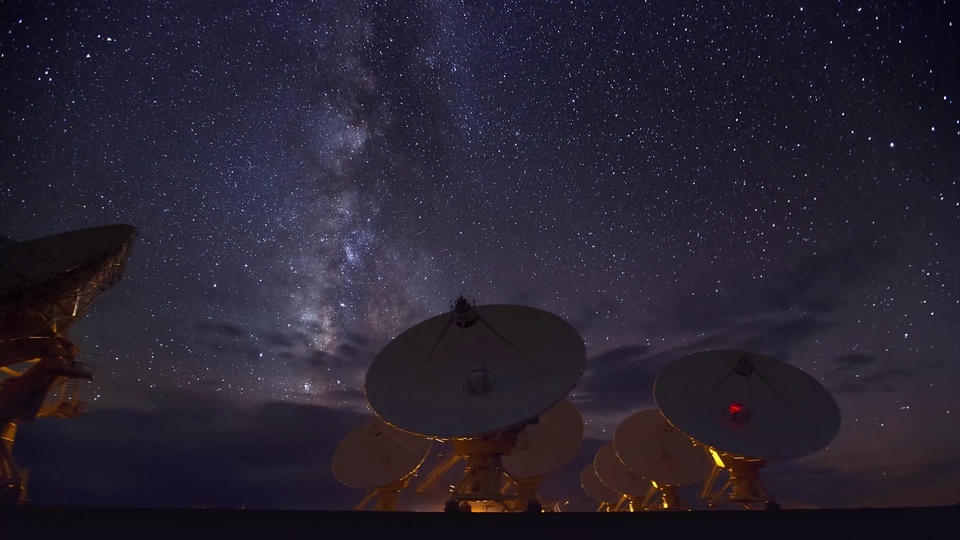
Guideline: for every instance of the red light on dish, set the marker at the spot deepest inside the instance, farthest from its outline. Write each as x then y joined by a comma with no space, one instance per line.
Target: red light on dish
737,413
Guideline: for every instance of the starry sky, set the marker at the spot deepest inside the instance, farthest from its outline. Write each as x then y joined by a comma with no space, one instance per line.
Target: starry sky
310,178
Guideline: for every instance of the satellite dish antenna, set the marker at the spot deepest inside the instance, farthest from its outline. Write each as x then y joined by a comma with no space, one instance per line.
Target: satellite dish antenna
616,476
548,444
476,375
609,499
380,459
46,285
651,447
544,446
475,371
746,408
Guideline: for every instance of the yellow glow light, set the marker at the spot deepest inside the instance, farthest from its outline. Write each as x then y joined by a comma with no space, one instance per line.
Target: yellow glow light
716,459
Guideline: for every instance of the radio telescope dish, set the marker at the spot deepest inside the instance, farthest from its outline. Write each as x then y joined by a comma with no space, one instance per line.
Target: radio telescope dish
652,448
46,284
596,489
746,404
374,455
548,444
475,371
612,472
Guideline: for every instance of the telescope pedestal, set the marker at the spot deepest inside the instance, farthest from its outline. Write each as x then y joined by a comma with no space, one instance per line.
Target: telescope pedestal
743,485
484,479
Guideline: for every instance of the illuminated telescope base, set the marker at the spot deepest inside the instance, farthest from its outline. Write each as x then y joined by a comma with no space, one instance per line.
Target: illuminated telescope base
659,498
386,497
525,490
743,485
665,497
486,483
626,503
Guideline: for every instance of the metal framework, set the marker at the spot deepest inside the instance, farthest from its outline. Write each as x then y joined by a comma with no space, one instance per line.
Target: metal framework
743,485
485,485
40,298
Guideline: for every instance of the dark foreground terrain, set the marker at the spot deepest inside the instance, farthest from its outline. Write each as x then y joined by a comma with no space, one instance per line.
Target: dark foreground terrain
43,522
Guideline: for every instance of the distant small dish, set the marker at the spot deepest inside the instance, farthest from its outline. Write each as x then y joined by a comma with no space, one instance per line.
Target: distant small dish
596,489
652,448
374,455
616,476
548,444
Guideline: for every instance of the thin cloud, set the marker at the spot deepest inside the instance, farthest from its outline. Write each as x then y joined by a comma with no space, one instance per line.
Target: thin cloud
854,361
221,328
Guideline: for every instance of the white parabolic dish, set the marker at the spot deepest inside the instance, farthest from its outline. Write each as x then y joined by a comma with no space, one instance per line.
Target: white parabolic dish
652,448
548,444
449,379
746,404
374,455
596,489
616,476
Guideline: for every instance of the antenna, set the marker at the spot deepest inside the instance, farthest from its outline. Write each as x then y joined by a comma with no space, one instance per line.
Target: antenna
543,446
46,285
547,444
380,459
745,408
651,447
476,376
616,476
610,500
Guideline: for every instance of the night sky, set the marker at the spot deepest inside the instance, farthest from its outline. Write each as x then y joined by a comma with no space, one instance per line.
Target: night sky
309,179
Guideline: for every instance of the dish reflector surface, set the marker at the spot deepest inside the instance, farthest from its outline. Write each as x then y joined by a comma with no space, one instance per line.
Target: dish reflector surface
612,472
48,283
596,489
374,454
747,404
463,376
547,445
34,262
652,448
